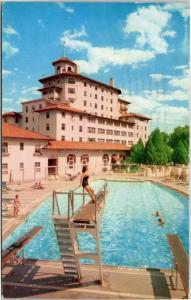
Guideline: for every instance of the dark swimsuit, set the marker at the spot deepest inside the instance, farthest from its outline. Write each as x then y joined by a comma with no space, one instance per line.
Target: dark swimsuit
85,181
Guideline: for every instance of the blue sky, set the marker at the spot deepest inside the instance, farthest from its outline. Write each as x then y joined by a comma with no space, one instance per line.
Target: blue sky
144,47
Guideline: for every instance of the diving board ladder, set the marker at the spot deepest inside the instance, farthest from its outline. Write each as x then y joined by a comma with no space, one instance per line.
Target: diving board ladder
71,221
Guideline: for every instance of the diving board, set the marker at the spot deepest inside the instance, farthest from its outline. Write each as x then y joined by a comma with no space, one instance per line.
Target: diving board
180,259
14,248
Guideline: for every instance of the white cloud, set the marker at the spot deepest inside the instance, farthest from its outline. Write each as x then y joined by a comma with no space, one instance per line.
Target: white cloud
21,99
159,77
182,8
41,23
10,30
169,33
102,57
66,8
149,23
9,50
181,67
184,83
6,73
31,90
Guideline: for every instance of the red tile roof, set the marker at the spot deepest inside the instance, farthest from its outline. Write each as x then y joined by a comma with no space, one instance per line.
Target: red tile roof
63,59
12,114
66,74
62,145
124,101
10,131
60,107
132,115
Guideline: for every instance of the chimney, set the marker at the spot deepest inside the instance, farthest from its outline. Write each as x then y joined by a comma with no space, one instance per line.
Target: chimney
111,82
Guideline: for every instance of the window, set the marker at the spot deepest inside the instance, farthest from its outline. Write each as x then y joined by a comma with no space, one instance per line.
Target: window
91,140
96,87
109,141
117,123
5,147
105,159
117,141
111,93
72,128
101,130
47,115
131,125
16,120
91,119
137,127
33,119
80,139
110,132
5,120
116,132
111,100
21,146
123,142
85,93
37,149
130,134
101,140
63,114
26,119
95,96
71,90
71,160
5,168
102,98
102,107
26,108
85,103
69,69
109,122
33,108
72,118
63,126
44,92
145,128
102,90
63,138
58,68
80,117
123,133
40,106
130,142
101,121
111,109
95,105
37,166
85,83
91,130
47,127
71,80
85,159
80,128
21,165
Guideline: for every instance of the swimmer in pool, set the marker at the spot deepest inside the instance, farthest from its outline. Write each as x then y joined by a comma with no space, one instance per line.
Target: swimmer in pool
160,222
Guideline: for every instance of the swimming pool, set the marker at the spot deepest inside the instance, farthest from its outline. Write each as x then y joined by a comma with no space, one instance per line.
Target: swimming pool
130,234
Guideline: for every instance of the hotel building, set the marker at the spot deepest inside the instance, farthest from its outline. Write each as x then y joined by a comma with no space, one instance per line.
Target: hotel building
81,117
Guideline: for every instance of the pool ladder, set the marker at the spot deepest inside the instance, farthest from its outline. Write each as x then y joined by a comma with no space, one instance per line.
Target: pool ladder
67,252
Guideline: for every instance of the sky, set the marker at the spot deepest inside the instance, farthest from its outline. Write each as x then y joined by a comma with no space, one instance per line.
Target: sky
144,47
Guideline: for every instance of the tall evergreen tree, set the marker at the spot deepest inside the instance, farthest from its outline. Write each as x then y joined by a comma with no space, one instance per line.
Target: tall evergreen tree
137,153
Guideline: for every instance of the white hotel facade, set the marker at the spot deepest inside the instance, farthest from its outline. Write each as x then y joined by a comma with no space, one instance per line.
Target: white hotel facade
84,120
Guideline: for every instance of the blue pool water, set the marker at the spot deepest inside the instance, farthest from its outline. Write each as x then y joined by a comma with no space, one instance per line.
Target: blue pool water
130,234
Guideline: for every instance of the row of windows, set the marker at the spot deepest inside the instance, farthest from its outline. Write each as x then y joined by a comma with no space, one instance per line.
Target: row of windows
96,106
21,146
110,141
96,97
85,84
33,108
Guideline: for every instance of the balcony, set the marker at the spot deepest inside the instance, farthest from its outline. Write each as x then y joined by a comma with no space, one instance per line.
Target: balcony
5,154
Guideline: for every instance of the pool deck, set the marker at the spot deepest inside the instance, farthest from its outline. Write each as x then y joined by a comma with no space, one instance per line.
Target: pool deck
38,279
45,279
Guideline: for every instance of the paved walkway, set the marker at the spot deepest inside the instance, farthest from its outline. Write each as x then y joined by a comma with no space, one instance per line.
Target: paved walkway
45,280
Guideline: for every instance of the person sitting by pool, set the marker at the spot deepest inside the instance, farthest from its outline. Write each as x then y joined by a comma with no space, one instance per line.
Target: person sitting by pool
85,184
39,186
16,205
161,222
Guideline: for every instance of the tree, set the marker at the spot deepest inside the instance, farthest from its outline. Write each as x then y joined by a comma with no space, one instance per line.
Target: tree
150,154
180,154
179,134
137,153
